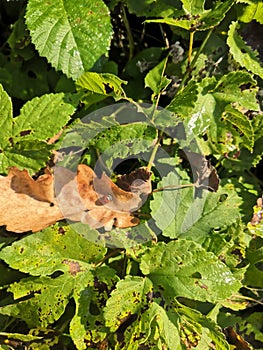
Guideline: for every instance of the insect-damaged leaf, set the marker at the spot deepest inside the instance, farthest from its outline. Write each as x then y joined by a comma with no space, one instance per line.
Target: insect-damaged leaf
54,249
183,268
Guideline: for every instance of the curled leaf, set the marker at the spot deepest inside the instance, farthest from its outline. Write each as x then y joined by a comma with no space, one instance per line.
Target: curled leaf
82,197
98,201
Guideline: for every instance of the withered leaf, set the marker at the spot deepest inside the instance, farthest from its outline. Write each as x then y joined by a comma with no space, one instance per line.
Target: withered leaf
138,181
32,205
82,198
26,204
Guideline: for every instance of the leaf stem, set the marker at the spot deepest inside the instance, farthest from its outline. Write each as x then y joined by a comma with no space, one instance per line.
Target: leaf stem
173,187
155,149
190,51
129,33
192,64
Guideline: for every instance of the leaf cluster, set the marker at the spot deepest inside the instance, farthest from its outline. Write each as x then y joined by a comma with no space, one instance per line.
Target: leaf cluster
182,76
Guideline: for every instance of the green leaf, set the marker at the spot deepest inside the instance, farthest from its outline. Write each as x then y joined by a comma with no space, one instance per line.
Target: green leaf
200,19
53,249
184,269
157,328
42,117
206,117
253,10
155,78
196,323
182,213
184,101
23,139
154,8
124,141
71,35
88,326
175,22
6,112
100,86
22,337
129,298
31,155
46,294
193,7
242,123
254,273
241,52
251,326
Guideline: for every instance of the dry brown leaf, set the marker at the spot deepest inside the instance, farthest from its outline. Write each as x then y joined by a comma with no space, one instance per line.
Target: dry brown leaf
32,205
26,204
96,201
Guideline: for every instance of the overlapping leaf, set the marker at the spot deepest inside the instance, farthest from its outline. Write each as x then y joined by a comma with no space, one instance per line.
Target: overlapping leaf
181,213
23,139
214,98
200,19
154,321
57,249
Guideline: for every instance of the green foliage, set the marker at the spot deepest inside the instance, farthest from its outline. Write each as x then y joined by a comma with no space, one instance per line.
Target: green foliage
241,52
24,138
182,268
69,26
100,72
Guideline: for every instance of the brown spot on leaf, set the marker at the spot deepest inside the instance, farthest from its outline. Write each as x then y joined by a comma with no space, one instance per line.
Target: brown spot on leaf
74,267
25,132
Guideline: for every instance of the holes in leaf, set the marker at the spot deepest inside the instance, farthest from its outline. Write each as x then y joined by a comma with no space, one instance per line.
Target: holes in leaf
108,88
223,197
196,275
25,132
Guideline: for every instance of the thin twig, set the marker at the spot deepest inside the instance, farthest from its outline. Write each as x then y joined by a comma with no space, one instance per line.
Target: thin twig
129,33
192,64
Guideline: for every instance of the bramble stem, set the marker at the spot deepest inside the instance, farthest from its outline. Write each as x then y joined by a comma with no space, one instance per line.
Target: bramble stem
192,64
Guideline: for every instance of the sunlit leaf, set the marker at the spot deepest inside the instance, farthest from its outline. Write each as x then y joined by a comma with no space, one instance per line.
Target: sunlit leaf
73,35
241,52
183,268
